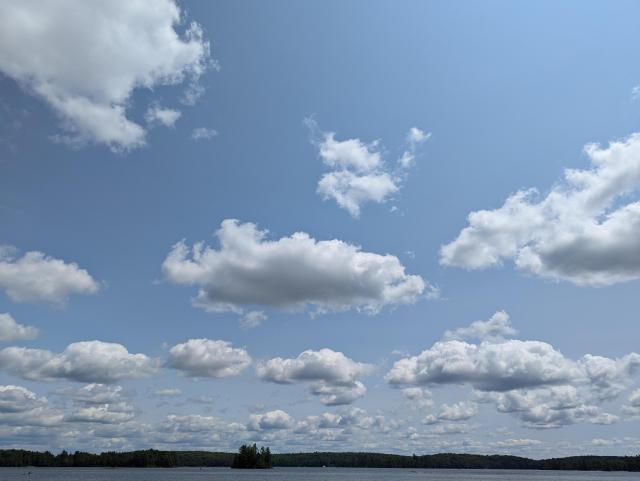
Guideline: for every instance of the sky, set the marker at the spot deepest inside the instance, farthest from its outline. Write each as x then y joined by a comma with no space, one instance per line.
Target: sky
389,226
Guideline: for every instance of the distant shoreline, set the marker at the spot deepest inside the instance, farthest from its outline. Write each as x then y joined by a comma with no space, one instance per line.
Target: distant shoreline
172,459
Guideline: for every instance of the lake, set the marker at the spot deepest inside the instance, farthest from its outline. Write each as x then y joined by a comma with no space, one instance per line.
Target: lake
301,474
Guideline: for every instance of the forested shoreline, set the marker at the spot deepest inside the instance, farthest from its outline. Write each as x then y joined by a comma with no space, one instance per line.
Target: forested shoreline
170,459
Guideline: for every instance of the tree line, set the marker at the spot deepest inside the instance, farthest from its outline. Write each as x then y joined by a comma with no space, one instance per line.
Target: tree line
154,458
250,457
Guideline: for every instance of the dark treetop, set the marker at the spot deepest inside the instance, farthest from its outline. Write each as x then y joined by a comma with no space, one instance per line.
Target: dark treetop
263,458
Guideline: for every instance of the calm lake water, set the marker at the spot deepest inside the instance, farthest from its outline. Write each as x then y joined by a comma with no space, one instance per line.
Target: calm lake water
301,474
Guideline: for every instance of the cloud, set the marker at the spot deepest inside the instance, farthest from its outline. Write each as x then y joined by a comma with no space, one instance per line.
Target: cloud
415,138
549,407
38,277
10,330
460,411
334,376
94,393
203,133
497,327
99,403
207,358
103,414
328,425
509,365
277,419
86,59
582,231
632,408
22,407
87,361
290,273
528,379
358,172
252,319
158,115
337,394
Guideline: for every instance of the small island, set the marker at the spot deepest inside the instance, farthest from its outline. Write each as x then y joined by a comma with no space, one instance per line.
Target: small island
249,457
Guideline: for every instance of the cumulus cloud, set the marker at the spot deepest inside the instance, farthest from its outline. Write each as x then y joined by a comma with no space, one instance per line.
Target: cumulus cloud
38,277
10,330
530,379
87,361
94,393
632,408
508,365
358,172
290,272
103,413
207,358
582,231
333,376
342,422
203,133
497,327
418,398
338,394
549,407
22,407
99,403
460,411
277,419
158,115
86,59
195,430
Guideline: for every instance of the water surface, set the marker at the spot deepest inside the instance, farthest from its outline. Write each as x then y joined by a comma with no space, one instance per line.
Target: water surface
302,474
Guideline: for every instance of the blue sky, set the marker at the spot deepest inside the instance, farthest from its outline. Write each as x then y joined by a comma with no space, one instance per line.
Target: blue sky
284,116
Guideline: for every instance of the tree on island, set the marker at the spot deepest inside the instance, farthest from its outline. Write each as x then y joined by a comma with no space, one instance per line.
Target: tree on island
249,457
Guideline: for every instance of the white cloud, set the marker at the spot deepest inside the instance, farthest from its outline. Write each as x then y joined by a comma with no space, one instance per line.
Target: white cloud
632,408
338,394
415,138
582,231
87,361
103,413
520,443
497,327
10,330
508,365
22,407
207,358
203,133
159,115
290,272
334,376
277,419
95,393
252,319
358,172
460,411
323,365
528,379
418,398
38,277
85,59
550,407
352,190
